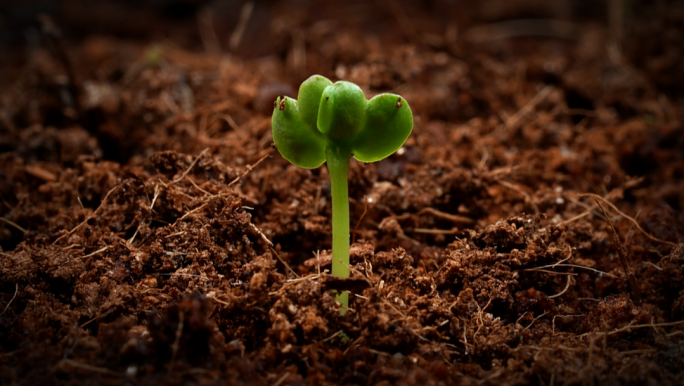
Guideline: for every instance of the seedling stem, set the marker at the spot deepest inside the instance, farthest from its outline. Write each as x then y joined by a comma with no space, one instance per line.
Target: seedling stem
331,122
338,167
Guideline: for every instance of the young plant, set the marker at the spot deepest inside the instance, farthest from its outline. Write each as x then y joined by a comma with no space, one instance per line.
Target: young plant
333,122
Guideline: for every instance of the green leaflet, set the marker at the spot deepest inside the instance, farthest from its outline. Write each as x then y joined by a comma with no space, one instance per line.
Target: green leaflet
388,123
338,114
297,142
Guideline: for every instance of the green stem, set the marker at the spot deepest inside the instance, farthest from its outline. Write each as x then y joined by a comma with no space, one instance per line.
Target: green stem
338,167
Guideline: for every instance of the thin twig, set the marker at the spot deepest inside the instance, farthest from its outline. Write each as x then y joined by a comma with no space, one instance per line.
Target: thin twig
446,216
13,224
631,326
579,216
16,290
567,285
212,297
130,241
263,236
97,317
205,24
535,319
479,316
551,272
589,208
250,168
87,218
435,231
376,352
365,209
649,263
236,36
282,379
520,318
623,258
156,195
284,263
289,282
94,253
90,321
179,331
332,336
489,378
312,276
405,318
515,118
197,187
231,122
566,259
630,219
189,167
524,193
465,337
570,265
194,210
90,367
182,274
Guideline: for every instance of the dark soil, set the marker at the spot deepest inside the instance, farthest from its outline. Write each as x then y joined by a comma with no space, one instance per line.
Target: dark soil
530,231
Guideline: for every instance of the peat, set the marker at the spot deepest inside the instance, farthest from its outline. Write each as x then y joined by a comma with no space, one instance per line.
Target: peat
152,235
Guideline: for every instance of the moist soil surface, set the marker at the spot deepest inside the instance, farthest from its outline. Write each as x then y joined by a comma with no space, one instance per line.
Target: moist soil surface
529,231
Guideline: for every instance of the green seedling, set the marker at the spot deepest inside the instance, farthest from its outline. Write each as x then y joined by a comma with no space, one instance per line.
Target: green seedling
331,122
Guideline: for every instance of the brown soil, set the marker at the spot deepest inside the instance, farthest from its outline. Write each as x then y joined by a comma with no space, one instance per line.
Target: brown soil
151,235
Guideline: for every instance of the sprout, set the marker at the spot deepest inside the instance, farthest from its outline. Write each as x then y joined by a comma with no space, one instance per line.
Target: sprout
333,122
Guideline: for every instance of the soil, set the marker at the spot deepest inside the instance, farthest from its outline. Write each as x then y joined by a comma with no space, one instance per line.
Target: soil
530,231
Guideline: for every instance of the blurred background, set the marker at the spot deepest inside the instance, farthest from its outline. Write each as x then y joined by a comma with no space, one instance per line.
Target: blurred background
649,33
